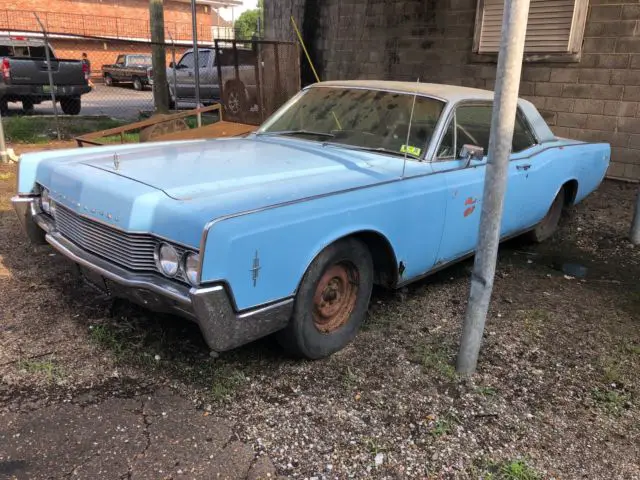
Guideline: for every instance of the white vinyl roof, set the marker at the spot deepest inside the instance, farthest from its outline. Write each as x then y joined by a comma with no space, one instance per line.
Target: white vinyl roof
451,93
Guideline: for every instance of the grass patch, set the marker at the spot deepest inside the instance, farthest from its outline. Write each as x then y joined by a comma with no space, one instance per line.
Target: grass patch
34,129
435,358
225,382
444,425
517,469
350,378
611,401
487,391
46,368
128,137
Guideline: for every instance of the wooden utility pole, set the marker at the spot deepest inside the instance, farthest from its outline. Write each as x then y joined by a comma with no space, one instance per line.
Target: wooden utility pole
159,57
505,104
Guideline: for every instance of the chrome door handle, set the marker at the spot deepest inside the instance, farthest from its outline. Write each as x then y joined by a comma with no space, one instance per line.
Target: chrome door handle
523,167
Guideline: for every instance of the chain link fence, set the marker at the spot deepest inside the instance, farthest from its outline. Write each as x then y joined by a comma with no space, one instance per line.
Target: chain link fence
111,78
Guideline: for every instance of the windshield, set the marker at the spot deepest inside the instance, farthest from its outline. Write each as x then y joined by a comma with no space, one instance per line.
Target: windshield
367,119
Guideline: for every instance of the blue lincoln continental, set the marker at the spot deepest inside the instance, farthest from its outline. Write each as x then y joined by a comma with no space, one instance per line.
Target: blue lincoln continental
349,184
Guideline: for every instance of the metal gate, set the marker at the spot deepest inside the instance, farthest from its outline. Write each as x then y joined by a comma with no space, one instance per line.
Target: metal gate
256,77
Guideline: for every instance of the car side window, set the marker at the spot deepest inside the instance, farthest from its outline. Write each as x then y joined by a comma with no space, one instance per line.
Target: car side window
473,124
447,147
203,58
120,60
187,61
522,136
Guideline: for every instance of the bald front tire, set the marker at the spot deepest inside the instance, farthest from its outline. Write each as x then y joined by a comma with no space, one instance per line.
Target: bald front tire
303,337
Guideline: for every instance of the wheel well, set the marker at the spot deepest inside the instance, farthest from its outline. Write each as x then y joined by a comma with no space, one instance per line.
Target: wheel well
384,258
571,191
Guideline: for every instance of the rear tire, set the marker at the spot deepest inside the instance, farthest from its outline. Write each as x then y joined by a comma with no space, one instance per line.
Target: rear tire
71,106
549,224
4,106
235,98
331,302
27,106
108,80
137,84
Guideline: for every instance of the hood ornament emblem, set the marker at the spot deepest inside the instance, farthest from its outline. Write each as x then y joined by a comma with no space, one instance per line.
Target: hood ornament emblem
116,161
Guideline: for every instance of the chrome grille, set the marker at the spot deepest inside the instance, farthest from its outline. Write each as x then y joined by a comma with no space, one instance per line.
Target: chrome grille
134,251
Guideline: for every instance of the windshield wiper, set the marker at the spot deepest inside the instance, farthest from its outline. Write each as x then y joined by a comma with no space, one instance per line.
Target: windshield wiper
387,151
299,132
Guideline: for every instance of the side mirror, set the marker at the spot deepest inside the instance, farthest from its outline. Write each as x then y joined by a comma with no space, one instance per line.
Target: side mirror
471,152
172,65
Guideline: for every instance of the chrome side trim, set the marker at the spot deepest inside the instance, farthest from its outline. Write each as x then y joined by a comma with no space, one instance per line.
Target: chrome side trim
151,282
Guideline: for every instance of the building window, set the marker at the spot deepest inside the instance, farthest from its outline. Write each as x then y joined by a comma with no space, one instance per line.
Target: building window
555,27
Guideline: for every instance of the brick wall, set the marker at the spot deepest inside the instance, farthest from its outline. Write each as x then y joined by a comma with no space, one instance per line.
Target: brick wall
595,99
108,18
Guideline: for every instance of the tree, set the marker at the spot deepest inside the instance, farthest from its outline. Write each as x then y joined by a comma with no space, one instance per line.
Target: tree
250,23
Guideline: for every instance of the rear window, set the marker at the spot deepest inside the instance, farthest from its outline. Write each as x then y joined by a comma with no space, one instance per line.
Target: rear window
226,57
24,51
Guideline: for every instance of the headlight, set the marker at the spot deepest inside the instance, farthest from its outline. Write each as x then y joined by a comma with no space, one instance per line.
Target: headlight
167,259
45,201
191,267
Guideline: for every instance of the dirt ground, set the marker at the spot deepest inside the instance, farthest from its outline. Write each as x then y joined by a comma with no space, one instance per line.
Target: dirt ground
95,389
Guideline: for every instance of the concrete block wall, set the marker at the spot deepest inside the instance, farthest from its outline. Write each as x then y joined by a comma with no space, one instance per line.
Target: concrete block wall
595,99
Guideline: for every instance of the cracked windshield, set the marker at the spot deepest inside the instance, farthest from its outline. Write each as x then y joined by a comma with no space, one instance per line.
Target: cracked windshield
360,119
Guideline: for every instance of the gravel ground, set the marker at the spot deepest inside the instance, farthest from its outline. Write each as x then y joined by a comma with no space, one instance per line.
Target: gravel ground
556,394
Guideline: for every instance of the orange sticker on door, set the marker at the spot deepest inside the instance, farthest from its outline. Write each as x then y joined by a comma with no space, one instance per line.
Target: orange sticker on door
470,203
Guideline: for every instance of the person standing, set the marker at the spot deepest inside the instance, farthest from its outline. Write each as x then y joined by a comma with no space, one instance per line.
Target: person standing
86,68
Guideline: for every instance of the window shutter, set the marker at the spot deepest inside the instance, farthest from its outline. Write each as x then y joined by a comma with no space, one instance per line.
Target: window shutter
549,29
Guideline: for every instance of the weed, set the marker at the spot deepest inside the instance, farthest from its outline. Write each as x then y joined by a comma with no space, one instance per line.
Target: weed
46,368
487,391
517,470
445,425
436,358
611,401
108,337
225,382
373,446
350,379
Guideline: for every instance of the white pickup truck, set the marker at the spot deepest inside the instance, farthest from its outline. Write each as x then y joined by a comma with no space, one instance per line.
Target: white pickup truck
239,90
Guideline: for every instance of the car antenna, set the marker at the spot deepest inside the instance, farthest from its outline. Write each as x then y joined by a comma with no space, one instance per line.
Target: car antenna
406,146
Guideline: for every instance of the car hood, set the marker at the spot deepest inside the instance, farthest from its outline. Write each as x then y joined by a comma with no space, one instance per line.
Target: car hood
280,169
174,189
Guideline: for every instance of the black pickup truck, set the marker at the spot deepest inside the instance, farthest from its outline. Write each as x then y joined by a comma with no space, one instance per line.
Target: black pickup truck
24,75
134,69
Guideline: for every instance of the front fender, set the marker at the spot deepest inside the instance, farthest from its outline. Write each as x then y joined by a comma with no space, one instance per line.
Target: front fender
263,256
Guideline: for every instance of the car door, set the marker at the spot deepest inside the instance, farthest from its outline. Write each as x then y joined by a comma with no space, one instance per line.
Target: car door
206,78
184,76
468,124
119,67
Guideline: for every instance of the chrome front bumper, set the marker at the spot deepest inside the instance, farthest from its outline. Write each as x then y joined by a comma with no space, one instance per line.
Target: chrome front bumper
210,307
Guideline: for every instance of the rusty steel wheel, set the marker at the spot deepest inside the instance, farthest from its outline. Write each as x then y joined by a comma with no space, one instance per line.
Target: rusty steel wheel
331,301
335,297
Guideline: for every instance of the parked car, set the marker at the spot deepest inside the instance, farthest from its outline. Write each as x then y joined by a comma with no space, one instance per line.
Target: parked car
348,184
134,69
24,75
238,93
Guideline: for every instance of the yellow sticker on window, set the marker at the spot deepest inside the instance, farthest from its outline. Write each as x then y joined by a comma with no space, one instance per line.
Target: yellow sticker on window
411,150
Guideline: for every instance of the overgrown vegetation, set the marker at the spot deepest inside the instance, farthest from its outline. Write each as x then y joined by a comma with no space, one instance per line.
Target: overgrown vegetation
435,358
34,129
46,368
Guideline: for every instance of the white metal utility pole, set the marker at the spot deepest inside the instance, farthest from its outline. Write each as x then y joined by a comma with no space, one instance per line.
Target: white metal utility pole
514,28
635,225
196,57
